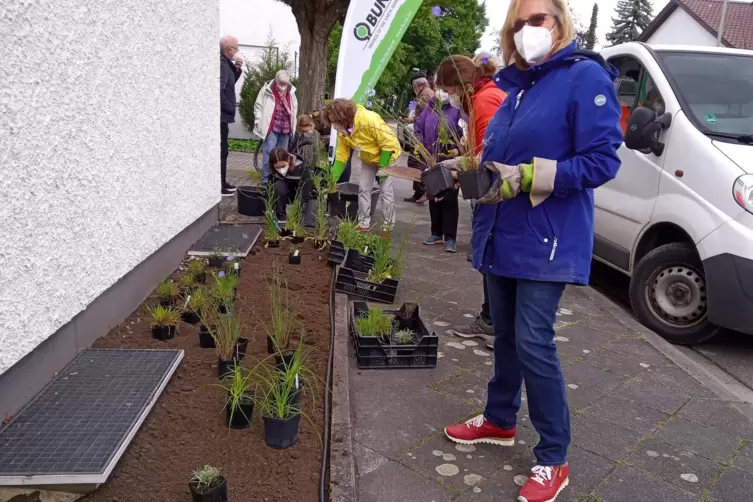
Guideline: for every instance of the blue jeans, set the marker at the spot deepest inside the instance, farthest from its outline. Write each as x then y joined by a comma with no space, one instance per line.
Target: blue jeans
523,313
272,141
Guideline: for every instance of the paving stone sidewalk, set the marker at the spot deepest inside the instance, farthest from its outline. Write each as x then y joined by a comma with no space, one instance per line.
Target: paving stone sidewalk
643,429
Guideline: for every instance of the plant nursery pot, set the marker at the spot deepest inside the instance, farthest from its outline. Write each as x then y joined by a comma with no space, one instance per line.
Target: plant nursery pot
286,233
297,240
284,359
201,278
281,434
270,345
222,308
166,303
217,494
224,368
273,244
437,180
241,417
205,338
475,183
163,332
217,262
295,396
240,349
250,201
190,317
294,258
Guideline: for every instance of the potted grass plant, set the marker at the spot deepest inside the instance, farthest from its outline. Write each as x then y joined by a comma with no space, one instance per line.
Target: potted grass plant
194,302
206,341
165,322
225,286
282,316
232,266
166,292
271,227
225,332
294,257
385,266
294,226
207,485
216,259
281,411
240,402
375,324
198,270
188,284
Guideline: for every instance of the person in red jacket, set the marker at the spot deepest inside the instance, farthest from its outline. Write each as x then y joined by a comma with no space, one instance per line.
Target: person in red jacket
471,88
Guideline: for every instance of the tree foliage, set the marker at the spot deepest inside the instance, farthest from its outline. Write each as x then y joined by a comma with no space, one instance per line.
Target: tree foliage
259,72
591,33
631,18
428,40
580,29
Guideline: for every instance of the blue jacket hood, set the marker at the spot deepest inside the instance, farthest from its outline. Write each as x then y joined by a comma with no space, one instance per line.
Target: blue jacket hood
512,77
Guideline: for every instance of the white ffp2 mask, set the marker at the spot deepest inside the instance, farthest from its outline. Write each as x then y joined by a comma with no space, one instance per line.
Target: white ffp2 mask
455,101
533,43
283,171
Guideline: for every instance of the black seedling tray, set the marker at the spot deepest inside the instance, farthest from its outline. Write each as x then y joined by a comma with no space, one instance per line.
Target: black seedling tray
352,279
336,253
377,353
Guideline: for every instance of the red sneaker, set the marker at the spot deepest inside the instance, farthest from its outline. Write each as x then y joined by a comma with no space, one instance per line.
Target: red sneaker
479,430
544,484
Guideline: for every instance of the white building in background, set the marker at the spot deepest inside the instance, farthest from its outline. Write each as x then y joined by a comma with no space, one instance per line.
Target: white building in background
252,22
109,146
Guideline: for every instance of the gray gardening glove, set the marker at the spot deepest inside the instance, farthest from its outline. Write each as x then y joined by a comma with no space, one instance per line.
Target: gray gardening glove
506,183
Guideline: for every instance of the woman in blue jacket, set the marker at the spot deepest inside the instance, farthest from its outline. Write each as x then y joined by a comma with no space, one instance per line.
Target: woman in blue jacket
551,143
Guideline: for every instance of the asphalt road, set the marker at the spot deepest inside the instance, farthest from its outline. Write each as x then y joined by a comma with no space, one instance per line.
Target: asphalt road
730,351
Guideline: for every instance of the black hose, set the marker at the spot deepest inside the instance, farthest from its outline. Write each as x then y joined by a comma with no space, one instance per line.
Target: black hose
327,383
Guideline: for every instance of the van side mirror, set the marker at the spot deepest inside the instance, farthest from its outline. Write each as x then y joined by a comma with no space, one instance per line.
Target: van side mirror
643,131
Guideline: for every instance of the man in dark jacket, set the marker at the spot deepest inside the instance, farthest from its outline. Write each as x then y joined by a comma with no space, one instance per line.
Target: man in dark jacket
230,71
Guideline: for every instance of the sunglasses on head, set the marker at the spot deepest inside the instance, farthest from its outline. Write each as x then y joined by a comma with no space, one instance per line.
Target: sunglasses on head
533,20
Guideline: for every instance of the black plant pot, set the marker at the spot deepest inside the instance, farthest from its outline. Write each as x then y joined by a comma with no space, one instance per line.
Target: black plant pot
166,303
437,180
218,262
240,349
189,317
295,396
201,278
273,244
283,360
222,308
250,201
242,415
217,494
205,338
163,332
297,240
279,433
224,368
475,183
294,259
270,345
286,233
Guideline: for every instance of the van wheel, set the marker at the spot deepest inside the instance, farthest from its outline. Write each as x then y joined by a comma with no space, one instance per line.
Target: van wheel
668,294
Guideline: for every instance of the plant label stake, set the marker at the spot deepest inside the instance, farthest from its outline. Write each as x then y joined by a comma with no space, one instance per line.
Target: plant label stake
296,381
188,299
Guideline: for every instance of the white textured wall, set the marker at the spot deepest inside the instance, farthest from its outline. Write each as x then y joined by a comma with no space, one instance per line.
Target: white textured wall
109,147
681,29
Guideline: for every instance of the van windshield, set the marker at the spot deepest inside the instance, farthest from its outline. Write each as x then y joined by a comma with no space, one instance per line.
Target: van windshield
716,90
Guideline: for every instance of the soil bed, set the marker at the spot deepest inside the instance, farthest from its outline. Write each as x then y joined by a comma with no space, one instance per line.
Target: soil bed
186,429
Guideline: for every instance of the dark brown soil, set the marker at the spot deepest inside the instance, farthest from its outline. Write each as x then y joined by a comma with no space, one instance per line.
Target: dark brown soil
186,428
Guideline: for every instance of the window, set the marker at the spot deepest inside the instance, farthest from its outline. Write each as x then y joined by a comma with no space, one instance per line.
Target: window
635,88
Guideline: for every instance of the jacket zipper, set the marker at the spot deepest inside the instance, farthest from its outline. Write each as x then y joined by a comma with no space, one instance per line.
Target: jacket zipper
551,230
554,249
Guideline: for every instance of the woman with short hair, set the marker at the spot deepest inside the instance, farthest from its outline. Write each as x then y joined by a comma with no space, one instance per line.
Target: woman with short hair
548,147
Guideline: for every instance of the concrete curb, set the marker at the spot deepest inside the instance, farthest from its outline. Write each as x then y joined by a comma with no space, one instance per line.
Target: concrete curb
342,469
697,366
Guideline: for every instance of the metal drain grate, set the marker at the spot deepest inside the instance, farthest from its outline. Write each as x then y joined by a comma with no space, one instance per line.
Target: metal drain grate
227,240
77,428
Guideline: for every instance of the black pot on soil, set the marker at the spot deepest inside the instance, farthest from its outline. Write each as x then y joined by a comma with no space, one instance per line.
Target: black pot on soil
218,493
217,262
163,332
284,359
222,308
286,233
201,278
190,317
437,180
279,433
166,303
294,258
297,240
475,183
273,244
270,345
241,416
240,349
224,368
205,338
250,201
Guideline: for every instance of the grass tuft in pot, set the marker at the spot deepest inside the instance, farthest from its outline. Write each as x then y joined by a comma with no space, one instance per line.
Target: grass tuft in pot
240,402
351,238
225,286
195,303
295,219
271,227
225,332
216,258
165,322
322,231
374,324
232,266
198,270
166,292
207,485
283,317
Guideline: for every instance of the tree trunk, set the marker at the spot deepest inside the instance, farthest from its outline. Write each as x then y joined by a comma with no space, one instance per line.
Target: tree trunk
315,19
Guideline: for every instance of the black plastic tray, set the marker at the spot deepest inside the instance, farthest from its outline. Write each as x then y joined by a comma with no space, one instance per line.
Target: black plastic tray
352,278
375,353
336,253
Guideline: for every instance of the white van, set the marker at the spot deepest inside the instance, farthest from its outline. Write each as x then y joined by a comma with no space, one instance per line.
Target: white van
678,218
